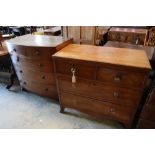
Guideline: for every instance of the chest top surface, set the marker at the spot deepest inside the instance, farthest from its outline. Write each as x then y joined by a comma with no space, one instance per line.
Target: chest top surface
110,55
38,40
128,30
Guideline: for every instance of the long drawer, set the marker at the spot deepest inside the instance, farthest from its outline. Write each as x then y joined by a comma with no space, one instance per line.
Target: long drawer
39,65
87,71
32,75
90,105
40,53
97,90
48,90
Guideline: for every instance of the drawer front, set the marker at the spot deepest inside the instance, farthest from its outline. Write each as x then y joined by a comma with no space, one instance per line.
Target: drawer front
40,89
81,70
38,65
90,105
32,52
130,79
100,91
32,75
146,124
148,112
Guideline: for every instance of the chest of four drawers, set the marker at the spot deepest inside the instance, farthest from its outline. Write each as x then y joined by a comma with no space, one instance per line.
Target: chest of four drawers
101,91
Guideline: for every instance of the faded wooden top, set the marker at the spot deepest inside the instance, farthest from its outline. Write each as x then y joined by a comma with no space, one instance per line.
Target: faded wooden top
38,40
110,55
128,30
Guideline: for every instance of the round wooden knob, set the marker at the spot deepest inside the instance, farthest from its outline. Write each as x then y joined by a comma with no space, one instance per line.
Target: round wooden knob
24,83
43,77
37,53
40,65
116,94
46,89
112,110
117,79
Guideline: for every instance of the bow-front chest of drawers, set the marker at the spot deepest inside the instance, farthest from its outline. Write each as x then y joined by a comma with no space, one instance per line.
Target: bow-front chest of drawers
32,60
104,82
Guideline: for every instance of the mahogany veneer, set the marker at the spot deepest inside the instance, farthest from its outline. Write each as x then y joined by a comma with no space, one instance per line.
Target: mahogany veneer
32,60
104,82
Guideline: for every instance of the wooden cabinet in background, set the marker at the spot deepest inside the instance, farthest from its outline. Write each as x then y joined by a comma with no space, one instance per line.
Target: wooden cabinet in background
32,60
101,81
147,118
128,35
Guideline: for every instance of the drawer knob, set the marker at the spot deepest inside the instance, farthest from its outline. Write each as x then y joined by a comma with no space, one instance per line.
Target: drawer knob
37,53
117,79
73,75
116,94
21,71
14,50
112,110
46,89
40,65
43,77
24,83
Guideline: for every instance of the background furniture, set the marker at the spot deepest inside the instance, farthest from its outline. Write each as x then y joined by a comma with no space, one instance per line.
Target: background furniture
147,117
128,35
92,35
54,31
102,81
32,61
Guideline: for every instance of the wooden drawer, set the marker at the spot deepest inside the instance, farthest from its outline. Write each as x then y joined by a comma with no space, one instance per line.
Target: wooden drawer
81,70
146,124
41,89
32,52
90,105
38,65
100,91
148,113
32,75
130,79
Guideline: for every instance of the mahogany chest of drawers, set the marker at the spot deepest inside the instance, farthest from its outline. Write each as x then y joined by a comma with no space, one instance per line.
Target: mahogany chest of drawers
32,60
104,82
128,35
147,118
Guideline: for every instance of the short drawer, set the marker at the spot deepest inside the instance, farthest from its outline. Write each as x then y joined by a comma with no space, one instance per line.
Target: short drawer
32,52
100,91
128,78
148,113
32,75
38,65
81,70
96,106
40,89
